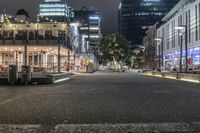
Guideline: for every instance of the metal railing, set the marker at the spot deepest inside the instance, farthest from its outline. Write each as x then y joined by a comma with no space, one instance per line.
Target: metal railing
39,69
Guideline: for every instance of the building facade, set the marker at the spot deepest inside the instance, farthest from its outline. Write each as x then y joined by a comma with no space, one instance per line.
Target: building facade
45,47
149,43
137,16
181,36
42,45
54,10
89,26
6,18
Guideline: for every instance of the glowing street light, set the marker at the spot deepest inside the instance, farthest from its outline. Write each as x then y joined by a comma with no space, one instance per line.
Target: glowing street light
160,48
183,27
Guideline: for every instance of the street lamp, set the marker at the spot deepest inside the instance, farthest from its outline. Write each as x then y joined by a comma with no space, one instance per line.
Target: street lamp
183,27
75,49
160,48
181,48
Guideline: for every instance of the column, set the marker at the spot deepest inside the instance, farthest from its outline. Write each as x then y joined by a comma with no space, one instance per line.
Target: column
15,57
59,58
1,59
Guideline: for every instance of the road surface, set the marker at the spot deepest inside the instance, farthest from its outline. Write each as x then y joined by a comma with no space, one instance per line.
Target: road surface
100,98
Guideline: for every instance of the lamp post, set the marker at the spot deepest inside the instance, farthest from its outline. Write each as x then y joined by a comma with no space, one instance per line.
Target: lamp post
59,58
183,27
68,44
74,48
145,58
160,52
26,37
59,49
68,53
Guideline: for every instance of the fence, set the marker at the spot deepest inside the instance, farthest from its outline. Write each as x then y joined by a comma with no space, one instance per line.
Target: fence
37,71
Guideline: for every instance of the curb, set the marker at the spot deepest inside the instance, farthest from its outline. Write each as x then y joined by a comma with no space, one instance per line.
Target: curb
20,128
193,127
130,128
176,77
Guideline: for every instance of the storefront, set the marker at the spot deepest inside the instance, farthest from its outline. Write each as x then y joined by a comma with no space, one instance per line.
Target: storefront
172,60
40,58
88,62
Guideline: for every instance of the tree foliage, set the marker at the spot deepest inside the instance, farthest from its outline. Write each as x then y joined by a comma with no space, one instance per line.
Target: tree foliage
113,48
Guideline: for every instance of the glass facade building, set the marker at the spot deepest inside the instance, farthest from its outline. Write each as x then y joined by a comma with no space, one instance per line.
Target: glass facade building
54,10
137,16
89,25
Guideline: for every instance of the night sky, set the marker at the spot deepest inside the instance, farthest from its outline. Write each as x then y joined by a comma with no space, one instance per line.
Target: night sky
108,8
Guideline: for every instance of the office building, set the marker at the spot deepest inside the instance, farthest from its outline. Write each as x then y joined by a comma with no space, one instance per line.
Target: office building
89,26
54,10
137,16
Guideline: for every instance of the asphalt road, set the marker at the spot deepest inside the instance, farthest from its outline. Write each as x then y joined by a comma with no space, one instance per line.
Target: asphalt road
102,98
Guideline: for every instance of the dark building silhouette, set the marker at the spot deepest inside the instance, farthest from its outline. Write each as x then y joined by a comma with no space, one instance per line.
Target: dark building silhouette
22,16
22,12
137,16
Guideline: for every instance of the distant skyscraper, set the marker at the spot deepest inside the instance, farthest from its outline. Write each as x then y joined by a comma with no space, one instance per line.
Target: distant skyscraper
90,26
54,10
137,16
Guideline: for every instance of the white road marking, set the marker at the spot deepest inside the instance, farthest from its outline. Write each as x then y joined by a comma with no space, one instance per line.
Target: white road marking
10,100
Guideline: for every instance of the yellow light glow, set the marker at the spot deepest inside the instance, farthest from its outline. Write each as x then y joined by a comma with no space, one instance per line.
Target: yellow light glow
174,78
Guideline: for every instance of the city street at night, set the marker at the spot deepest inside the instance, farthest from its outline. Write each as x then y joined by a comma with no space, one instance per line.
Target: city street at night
100,66
102,97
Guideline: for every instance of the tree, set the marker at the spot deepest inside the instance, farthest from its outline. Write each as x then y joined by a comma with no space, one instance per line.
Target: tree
129,58
113,49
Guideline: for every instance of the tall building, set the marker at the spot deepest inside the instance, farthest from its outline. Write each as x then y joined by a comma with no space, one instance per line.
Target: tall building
89,25
137,16
180,34
54,10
